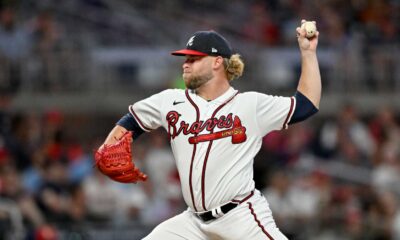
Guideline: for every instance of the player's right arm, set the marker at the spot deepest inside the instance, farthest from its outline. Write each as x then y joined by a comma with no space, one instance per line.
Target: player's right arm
309,89
310,79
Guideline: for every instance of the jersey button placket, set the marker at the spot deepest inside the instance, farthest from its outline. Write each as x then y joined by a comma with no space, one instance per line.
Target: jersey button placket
200,146
197,186
205,113
204,116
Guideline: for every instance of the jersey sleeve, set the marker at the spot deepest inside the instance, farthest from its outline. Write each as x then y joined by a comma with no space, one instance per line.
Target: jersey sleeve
147,112
273,112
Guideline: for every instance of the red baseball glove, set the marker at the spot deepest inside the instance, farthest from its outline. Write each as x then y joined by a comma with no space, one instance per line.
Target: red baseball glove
115,161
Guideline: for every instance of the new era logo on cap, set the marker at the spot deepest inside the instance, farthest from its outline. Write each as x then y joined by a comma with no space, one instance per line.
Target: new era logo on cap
206,43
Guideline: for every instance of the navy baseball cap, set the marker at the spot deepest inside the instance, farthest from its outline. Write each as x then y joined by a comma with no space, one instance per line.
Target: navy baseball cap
206,43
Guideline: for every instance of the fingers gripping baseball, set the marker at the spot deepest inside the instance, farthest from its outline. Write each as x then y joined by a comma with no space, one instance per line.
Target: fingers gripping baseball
307,35
115,161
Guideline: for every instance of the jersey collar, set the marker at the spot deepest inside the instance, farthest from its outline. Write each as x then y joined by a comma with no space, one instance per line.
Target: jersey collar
219,100
225,96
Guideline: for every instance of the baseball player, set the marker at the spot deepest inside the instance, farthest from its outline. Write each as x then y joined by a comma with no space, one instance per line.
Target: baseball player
215,131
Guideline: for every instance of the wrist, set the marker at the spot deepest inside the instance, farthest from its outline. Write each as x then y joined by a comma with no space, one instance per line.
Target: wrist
308,53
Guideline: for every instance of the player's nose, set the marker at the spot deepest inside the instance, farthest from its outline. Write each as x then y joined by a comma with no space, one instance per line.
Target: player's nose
185,65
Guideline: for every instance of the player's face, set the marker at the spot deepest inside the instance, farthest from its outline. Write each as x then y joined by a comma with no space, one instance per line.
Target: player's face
197,70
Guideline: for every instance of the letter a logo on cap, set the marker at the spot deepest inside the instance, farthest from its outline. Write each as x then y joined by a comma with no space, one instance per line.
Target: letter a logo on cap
190,42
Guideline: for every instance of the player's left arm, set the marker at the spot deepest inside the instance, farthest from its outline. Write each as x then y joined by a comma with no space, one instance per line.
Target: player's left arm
308,93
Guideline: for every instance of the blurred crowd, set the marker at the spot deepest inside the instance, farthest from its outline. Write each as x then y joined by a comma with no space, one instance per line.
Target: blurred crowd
46,46
35,52
334,177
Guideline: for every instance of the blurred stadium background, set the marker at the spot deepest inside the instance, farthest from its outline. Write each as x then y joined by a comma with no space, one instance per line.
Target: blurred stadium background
70,68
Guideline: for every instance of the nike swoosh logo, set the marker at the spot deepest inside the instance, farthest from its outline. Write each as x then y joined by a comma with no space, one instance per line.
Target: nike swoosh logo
175,102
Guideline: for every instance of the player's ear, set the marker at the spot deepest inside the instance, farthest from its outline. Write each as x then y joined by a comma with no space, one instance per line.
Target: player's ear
218,62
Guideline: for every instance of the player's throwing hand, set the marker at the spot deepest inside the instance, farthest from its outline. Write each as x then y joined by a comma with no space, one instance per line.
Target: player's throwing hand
307,43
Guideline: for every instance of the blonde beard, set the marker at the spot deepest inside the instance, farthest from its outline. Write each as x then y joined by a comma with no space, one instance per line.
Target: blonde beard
195,82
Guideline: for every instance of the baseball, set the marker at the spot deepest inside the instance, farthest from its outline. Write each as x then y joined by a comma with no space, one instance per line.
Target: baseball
310,28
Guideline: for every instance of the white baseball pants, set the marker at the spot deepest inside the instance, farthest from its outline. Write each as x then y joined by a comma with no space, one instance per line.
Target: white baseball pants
251,220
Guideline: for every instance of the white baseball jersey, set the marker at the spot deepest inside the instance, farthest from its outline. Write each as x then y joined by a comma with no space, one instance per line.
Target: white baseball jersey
214,142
